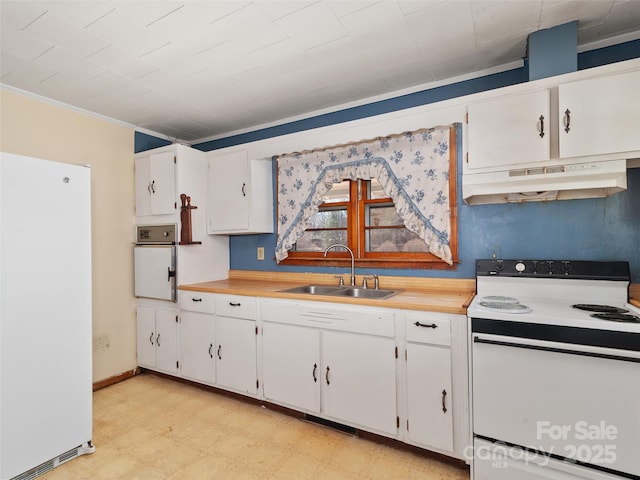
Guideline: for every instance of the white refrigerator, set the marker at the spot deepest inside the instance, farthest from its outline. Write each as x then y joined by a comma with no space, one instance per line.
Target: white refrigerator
45,315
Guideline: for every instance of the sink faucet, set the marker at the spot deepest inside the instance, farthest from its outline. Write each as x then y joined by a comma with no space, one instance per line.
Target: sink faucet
353,273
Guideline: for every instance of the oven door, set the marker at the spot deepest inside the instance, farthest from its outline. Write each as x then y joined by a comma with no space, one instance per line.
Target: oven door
575,402
155,271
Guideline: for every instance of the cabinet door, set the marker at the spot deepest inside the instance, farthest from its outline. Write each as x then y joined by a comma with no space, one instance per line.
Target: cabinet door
236,362
600,115
155,184
167,340
229,192
197,346
163,196
429,395
146,336
509,130
359,380
291,366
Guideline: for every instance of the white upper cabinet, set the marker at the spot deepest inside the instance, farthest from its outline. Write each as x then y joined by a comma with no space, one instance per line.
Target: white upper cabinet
509,130
240,194
155,184
600,115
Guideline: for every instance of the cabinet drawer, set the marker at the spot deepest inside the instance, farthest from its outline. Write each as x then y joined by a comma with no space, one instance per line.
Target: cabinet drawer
428,328
237,306
346,319
197,301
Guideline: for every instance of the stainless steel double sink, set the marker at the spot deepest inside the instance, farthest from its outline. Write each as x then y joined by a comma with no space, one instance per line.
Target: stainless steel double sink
354,292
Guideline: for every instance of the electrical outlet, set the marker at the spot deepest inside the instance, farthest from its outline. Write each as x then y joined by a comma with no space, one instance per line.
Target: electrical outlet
260,253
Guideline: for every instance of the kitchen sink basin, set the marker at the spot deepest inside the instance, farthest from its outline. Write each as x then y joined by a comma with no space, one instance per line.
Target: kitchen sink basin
313,289
366,293
354,292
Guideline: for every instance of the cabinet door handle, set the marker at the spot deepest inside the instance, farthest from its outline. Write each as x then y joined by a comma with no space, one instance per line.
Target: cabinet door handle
153,186
243,192
567,120
151,338
541,128
444,397
219,348
315,369
234,304
158,340
425,325
149,188
170,274
326,376
210,347
196,299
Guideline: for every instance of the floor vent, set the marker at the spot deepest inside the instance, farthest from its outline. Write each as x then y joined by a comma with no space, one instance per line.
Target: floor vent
330,424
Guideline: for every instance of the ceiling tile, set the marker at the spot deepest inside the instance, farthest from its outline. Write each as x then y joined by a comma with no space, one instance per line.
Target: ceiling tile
312,26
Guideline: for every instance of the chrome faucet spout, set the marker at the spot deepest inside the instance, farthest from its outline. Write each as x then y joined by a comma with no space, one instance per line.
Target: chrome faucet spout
353,263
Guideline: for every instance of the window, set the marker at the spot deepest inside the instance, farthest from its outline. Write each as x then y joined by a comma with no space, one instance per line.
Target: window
391,199
359,214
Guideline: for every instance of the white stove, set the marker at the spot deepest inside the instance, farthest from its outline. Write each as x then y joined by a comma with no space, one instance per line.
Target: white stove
544,372
549,297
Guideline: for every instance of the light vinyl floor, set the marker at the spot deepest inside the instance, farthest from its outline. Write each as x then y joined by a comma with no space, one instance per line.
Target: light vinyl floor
153,428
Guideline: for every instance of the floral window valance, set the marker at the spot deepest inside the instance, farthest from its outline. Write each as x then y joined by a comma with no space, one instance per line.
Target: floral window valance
412,167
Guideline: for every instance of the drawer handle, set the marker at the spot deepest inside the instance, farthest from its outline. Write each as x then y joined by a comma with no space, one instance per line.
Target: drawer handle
233,304
219,348
196,299
425,325
315,369
326,376
444,397
210,347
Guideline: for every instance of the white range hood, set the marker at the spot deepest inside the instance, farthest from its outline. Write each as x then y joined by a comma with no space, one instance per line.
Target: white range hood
555,182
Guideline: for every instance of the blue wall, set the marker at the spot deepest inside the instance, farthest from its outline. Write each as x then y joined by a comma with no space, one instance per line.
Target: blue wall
591,229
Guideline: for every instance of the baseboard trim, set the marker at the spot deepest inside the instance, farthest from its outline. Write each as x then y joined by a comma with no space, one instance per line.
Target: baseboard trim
116,379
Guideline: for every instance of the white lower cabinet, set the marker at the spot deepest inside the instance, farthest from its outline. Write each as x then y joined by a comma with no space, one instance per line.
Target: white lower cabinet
157,337
430,419
197,346
235,354
291,366
218,341
333,361
359,380
326,361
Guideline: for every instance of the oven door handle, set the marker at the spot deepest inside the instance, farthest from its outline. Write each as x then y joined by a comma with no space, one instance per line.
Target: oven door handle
502,343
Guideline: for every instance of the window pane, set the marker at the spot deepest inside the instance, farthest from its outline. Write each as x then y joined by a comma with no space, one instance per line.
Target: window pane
375,189
339,193
394,240
329,219
319,240
382,215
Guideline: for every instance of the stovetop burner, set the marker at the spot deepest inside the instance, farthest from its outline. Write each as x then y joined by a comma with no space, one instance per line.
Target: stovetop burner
599,308
617,317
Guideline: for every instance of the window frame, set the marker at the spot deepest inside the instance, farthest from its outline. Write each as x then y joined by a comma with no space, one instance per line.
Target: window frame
356,224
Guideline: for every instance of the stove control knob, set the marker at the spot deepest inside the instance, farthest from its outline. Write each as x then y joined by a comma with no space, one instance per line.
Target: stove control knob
565,267
534,266
520,267
548,266
499,265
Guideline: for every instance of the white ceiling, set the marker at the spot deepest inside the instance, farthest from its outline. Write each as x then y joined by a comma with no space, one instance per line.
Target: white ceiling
195,70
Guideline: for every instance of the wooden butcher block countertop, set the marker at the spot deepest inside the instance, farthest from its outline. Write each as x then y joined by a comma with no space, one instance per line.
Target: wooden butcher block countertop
426,294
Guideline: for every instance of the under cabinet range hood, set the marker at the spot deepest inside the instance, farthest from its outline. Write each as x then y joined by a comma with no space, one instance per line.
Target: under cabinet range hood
554,182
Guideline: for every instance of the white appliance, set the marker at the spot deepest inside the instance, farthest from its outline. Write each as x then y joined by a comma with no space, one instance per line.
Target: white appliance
555,371
154,259
45,315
